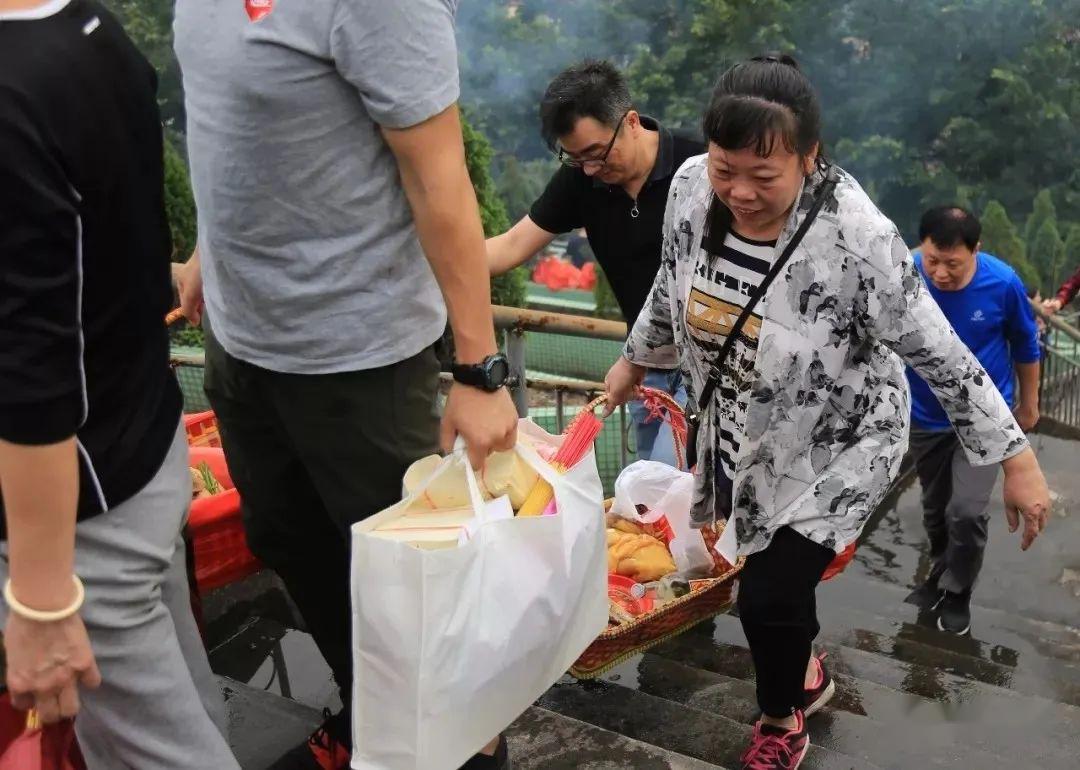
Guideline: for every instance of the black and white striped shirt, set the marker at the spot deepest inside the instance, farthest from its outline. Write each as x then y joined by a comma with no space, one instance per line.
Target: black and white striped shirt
720,290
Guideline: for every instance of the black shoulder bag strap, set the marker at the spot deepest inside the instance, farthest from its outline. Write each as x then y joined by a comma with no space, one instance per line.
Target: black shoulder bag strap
693,419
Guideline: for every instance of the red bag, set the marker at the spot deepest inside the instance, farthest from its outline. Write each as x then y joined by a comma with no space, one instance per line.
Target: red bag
25,744
839,562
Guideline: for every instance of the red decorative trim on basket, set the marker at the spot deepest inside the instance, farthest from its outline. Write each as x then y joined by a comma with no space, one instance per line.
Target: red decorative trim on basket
660,405
618,643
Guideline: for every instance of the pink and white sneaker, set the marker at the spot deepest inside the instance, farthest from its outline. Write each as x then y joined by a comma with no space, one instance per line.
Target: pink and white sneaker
775,748
823,689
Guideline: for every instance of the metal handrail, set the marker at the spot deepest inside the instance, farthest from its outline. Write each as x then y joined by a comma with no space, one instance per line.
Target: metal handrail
516,322
1055,323
1059,379
523,320
1059,375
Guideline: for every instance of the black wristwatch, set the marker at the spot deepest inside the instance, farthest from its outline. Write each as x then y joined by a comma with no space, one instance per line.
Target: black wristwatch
490,375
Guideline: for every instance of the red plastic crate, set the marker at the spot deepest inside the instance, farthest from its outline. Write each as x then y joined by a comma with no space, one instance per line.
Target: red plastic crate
215,526
202,429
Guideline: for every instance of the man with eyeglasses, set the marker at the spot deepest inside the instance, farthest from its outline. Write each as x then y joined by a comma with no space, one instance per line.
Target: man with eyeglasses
616,168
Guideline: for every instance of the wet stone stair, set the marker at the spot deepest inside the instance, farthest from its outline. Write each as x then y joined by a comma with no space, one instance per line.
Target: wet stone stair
908,695
894,708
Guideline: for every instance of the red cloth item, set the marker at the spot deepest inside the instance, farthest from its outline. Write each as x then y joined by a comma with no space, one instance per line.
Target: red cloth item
557,274
587,277
1068,291
43,747
839,563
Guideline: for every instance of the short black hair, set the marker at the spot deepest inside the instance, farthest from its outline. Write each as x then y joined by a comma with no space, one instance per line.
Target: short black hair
593,88
761,101
949,226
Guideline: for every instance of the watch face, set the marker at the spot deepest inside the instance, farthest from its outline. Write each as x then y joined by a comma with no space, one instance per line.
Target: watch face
498,371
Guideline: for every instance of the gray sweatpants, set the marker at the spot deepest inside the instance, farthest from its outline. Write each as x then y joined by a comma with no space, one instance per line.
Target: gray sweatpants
158,707
955,497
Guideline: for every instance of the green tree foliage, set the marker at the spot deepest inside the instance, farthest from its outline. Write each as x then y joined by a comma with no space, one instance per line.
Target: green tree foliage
1044,245
1048,255
179,203
672,72
957,85
606,304
1043,210
927,102
1001,238
507,289
520,183
149,23
1072,252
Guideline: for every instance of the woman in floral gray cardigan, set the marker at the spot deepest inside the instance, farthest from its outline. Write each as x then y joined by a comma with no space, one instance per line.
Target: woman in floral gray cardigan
809,421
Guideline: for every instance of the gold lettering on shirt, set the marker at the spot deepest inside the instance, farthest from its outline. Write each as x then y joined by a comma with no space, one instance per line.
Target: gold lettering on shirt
714,316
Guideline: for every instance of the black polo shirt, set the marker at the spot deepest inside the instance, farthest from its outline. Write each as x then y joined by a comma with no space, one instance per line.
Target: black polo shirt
627,247
84,250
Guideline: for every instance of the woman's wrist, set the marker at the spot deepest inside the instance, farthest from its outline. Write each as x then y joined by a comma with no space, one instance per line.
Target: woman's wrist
1019,462
43,584
47,614
636,367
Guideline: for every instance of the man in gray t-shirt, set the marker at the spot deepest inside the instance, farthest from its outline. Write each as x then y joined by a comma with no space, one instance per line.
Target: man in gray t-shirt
310,258
334,205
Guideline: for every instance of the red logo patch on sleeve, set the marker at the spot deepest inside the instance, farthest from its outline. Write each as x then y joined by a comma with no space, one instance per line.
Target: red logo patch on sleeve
258,9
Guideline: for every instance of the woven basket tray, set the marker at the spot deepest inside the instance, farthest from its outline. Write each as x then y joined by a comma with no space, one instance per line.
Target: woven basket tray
618,643
710,598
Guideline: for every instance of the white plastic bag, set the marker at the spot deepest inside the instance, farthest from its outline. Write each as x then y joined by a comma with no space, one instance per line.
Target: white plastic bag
450,646
668,493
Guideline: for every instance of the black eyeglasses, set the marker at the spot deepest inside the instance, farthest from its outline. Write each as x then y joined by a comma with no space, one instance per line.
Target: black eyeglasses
597,162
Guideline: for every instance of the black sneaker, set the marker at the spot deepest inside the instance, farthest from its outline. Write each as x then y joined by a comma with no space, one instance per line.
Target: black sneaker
499,761
327,748
954,614
926,597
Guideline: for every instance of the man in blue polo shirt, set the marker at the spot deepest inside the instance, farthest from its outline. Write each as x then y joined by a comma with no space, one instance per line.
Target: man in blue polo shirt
986,303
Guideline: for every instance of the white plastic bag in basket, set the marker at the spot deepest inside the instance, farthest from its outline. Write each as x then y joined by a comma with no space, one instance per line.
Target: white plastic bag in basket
668,493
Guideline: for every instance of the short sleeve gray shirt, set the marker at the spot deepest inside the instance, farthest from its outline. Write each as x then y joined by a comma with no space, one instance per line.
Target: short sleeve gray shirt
311,262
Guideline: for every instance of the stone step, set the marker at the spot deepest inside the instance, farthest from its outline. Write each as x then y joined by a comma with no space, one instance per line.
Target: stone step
904,730
544,740
263,726
990,718
924,644
1041,583
928,663
691,732
915,644
1003,637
